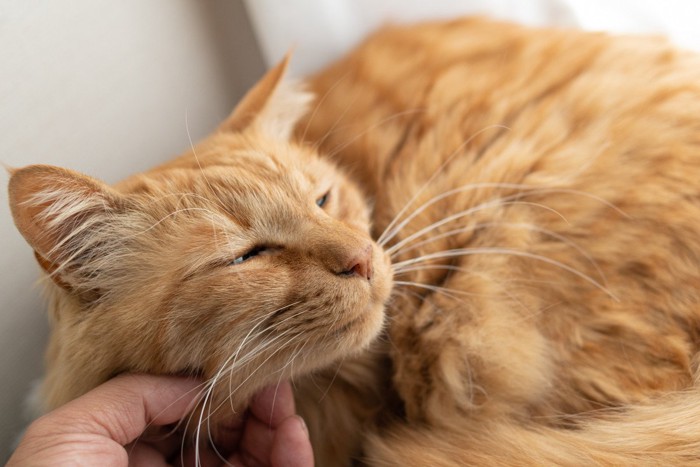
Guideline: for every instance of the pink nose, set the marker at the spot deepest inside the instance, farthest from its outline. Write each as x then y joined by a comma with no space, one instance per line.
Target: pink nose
360,264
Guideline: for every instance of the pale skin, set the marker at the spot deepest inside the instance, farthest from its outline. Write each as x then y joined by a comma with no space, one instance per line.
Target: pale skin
105,427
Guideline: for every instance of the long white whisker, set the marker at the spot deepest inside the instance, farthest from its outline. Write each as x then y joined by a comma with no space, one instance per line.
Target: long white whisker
178,424
435,199
251,354
194,153
527,190
381,240
206,388
340,117
502,251
531,227
245,339
212,383
321,101
335,375
208,211
505,201
372,127
209,399
435,288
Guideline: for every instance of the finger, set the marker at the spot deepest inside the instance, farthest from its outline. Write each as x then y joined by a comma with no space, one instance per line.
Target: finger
202,455
168,442
273,404
227,435
256,444
143,455
291,446
122,408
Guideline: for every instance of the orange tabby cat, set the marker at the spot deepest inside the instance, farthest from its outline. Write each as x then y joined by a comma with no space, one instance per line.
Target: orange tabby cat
536,209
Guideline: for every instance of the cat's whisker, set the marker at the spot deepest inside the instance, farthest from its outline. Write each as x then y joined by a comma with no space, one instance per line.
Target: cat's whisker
172,214
332,325
181,195
332,129
176,427
185,438
443,267
519,225
250,355
545,207
382,239
428,267
290,363
434,288
320,102
404,293
381,122
253,353
196,158
479,207
446,267
212,444
197,436
294,360
499,202
391,230
263,347
280,348
260,321
525,190
213,380
459,252
335,375
209,397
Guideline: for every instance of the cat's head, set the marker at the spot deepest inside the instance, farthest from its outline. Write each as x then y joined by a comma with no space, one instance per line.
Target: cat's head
247,259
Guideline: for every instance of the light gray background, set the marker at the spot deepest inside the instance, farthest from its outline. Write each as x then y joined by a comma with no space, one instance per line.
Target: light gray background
103,87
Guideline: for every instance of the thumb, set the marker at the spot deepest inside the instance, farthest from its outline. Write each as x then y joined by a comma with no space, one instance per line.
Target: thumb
123,407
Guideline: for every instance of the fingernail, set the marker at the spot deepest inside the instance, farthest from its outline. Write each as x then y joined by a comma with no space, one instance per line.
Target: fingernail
303,425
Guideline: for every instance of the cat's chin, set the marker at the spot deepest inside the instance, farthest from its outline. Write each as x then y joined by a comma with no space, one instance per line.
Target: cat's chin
360,331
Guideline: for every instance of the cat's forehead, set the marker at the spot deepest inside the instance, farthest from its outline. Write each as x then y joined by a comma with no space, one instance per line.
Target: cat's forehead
275,171
267,160
245,183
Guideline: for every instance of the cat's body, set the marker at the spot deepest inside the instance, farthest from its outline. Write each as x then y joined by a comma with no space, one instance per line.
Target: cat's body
553,146
546,256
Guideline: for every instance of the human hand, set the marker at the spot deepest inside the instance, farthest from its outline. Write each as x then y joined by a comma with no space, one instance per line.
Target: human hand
103,428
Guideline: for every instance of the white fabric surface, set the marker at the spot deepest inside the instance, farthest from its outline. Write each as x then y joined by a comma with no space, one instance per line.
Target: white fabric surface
320,30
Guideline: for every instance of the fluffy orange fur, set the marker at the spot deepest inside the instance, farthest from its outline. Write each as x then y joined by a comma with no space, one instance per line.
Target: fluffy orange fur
533,200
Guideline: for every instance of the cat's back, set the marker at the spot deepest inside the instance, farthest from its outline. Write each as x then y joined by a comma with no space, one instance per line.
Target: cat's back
557,169
468,78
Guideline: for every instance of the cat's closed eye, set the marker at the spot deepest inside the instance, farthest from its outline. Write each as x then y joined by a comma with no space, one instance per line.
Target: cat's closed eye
323,199
253,252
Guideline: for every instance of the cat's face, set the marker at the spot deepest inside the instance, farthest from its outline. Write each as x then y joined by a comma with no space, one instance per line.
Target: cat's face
264,246
247,260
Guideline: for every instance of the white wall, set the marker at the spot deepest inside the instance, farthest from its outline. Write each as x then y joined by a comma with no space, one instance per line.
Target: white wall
323,29
102,87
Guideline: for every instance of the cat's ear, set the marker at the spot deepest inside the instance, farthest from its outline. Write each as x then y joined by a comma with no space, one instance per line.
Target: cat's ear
273,105
61,214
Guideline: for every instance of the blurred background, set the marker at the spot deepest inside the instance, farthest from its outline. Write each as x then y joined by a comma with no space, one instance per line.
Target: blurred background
111,88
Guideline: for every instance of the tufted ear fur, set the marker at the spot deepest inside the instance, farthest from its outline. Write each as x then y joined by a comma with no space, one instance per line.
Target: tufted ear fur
62,214
273,105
